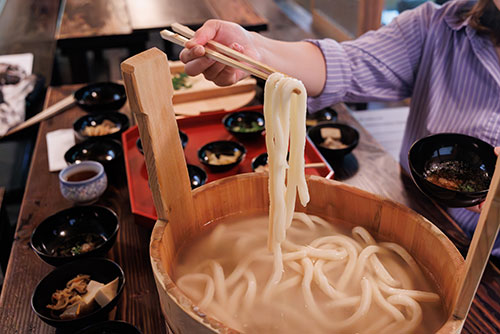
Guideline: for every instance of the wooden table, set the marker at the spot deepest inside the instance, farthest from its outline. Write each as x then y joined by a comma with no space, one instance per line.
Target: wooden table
369,167
159,14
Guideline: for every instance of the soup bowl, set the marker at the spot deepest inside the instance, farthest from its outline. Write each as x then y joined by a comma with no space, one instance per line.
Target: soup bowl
430,153
61,238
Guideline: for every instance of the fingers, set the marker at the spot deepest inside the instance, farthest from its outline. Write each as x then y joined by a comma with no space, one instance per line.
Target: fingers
206,33
197,66
213,71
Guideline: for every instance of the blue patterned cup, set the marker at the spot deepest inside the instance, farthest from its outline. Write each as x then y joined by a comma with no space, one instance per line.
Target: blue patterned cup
83,183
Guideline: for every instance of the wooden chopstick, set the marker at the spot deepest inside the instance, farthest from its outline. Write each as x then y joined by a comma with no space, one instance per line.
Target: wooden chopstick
181,40
219,54
44,114
187,32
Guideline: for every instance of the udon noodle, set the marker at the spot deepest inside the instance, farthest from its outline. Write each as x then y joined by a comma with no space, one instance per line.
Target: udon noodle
302,274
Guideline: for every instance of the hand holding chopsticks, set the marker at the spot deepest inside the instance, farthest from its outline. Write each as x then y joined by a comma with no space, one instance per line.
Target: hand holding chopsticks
220,53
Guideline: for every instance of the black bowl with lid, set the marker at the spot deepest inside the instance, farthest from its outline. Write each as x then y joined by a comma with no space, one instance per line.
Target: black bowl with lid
453,169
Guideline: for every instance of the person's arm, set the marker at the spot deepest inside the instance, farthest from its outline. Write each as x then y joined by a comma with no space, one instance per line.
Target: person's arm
301,60
380,65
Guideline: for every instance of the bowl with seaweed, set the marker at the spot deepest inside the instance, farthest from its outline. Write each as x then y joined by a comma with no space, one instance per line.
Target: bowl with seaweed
245,125
453,169
75,233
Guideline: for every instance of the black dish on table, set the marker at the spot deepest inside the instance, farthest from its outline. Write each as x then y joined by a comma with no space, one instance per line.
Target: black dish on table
221,147
106,151
69,228
102,96
349,137
92,120
182,135
99,269
436,151
197,176
323,115
245,125
260,160
110,327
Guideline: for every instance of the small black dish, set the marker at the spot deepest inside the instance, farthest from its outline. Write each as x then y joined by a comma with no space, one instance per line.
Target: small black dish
349,137
430,152
63,229
323,115
197,176
106,151
92,121
99,269
222,147
110,327
102,96
260,160
245,125
182,135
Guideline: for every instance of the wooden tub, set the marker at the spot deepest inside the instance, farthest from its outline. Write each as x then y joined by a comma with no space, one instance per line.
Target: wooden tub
329,199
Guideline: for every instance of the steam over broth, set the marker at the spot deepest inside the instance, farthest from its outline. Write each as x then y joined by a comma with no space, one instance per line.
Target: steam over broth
226,270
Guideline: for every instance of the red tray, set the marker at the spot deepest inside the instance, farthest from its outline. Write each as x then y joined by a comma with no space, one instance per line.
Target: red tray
200,131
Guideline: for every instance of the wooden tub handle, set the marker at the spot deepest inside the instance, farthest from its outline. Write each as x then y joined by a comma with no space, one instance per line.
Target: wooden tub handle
149,90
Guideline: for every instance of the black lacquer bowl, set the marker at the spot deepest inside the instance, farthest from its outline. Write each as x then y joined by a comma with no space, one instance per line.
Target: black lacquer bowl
349,137
220,148
93,121
182,135
323,115
435,151
67,228
197,176
106,151
101,96
99,269
245,125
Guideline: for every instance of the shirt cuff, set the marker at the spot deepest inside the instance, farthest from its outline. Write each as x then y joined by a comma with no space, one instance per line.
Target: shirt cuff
338,75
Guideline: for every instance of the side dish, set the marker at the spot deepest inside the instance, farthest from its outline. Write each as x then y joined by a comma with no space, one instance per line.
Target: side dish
222,159
107,127
332,138
458,176
80,244
81,296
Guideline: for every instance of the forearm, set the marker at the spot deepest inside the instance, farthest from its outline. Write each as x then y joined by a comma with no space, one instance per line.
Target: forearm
301,60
